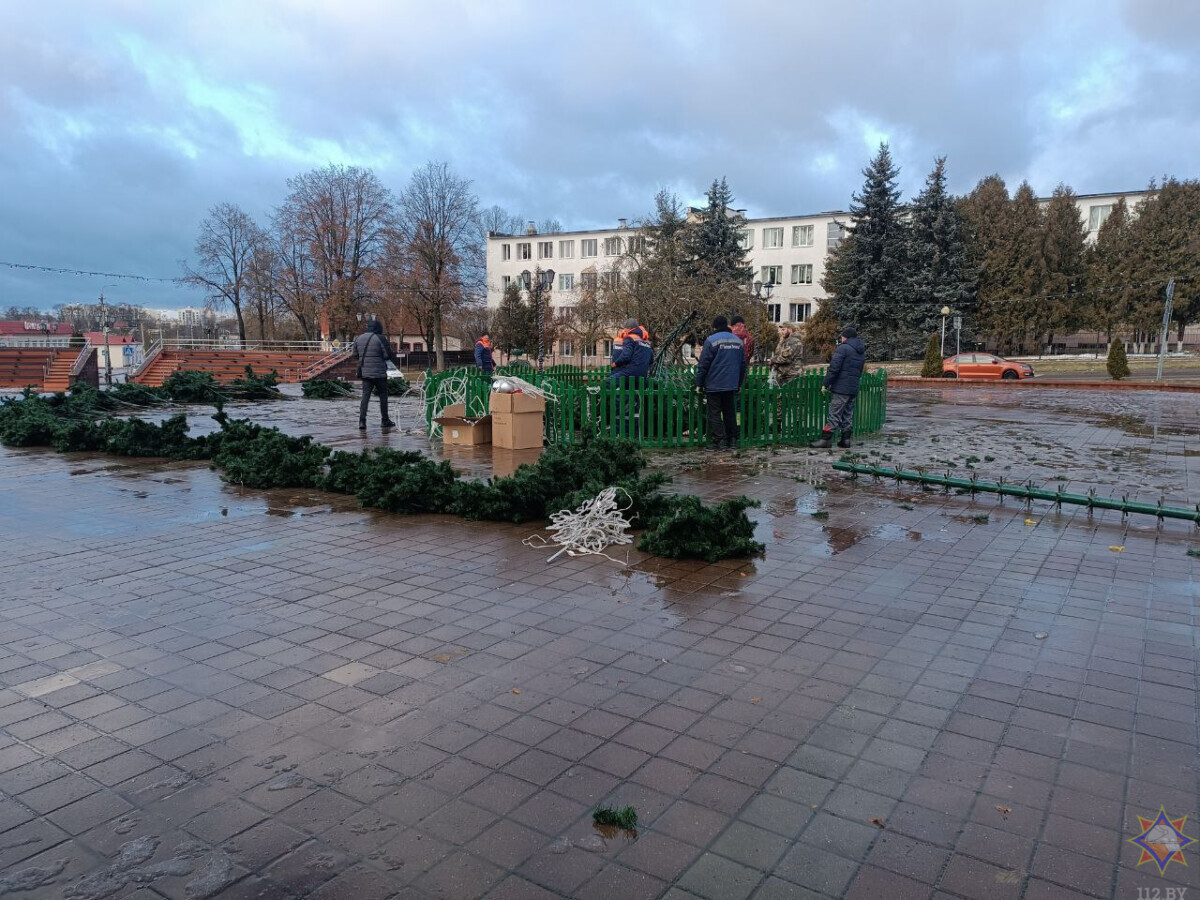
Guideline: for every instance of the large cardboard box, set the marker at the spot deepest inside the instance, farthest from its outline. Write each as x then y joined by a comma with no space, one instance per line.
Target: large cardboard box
458,429
516,403
506,462
517,431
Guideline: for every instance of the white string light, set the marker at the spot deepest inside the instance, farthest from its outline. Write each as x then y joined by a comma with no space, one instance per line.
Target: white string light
596,525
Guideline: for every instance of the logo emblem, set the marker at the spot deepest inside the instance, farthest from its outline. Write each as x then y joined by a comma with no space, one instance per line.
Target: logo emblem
1162,840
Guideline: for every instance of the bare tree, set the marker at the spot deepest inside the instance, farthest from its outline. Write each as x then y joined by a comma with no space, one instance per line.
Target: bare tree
224,251
293,278
585,321
339,216
438,216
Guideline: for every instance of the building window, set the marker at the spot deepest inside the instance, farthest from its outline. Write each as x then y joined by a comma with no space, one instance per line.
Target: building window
506,281
612,246
610,279
607,348
587,247
802,274
587,279
506,251
524,251
834,232
545,249
590,351
773,312
772,238
802,235
1097,215
637,244
566,348
799,312
772,274
747,239
566,282
566,249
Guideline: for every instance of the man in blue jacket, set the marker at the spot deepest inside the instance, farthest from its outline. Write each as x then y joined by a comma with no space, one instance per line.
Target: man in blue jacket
483,354
841,380
631,358
720,374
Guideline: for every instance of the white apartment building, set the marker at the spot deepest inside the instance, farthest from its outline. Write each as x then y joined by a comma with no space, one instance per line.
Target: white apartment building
788,251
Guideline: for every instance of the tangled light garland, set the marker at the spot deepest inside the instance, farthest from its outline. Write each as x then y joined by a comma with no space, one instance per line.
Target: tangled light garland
596,525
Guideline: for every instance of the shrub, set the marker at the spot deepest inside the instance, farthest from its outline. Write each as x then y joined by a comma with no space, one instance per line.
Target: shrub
932,367
1118,362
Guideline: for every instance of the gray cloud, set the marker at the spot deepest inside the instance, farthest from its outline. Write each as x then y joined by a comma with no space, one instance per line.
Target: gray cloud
121,123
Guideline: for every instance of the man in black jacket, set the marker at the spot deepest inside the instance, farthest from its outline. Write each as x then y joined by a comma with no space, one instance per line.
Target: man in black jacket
841,380
373,352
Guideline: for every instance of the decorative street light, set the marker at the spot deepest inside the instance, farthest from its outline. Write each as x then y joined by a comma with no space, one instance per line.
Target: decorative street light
945,312
544,281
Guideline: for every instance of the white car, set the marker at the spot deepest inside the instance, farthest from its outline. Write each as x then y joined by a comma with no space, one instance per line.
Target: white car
393,372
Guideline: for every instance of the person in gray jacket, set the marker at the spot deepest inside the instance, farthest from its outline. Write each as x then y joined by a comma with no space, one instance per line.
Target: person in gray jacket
373,352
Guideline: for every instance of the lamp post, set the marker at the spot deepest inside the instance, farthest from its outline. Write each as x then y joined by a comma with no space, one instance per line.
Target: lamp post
535,285
104,326
945,312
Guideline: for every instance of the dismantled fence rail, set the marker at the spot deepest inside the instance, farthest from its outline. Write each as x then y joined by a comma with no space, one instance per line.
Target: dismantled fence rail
1027,491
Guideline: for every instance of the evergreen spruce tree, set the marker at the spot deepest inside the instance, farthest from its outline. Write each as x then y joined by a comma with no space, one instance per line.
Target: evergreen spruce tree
1063,259
865,275
939,272
1108,276
714,243
821,333
1164,243
932,367
1026,267
514,327
1118,362
987,217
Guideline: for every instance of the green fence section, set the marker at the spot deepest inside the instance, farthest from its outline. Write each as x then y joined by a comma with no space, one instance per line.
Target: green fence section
669,411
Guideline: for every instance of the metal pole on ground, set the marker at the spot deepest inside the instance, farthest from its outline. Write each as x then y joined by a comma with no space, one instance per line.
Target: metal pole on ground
1166,324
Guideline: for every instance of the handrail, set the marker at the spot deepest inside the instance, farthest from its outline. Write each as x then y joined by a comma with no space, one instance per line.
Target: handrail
81,359
148,357
18,341
326,363
234,344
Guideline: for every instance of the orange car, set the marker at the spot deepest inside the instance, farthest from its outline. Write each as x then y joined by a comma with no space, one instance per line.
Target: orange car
984,365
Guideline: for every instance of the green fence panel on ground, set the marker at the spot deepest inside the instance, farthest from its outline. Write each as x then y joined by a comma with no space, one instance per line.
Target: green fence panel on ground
668,411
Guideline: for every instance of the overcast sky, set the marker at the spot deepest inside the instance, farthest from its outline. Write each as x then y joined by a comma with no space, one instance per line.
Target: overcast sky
123,121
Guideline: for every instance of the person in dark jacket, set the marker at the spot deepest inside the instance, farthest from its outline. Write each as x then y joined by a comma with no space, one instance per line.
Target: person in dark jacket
373,352
631,358
483,354
841,380
720,373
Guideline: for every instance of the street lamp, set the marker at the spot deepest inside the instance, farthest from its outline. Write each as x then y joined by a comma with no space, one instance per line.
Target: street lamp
544,282
945,312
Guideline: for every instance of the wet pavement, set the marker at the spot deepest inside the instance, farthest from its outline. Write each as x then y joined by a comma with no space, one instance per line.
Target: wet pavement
213,692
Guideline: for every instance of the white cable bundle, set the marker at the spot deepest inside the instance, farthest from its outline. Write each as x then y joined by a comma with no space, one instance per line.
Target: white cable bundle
597,524
450,390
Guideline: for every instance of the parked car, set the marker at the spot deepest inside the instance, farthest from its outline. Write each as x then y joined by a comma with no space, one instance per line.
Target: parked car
392,371
984,365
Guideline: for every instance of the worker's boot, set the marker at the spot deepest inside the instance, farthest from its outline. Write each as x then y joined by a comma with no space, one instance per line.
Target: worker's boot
825,441
844,443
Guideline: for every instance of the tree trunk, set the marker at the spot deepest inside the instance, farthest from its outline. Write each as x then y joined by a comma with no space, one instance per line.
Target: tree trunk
437,338
237,308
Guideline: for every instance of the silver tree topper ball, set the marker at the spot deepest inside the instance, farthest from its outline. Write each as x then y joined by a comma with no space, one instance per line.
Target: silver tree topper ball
503,386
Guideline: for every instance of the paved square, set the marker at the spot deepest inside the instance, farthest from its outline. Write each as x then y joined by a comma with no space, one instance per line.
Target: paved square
214,692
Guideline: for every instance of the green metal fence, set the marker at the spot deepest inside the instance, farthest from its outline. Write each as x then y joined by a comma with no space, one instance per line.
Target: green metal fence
669,411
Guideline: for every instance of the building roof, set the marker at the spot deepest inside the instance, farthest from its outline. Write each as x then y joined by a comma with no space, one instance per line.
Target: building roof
33,329
96,338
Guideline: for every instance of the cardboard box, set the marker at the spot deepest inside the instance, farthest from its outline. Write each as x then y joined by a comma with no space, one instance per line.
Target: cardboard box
517,431
455,411
457,430
516,403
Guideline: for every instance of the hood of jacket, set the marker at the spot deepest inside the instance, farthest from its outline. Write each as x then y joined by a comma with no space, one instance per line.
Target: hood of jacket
856,344
375,327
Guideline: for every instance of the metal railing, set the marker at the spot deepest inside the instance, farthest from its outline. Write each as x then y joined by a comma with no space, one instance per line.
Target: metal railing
81,360
182,343
151,353
16,340
326,363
